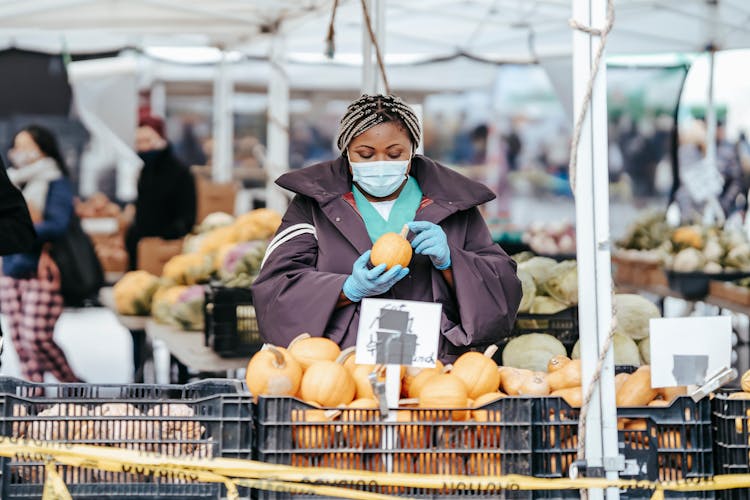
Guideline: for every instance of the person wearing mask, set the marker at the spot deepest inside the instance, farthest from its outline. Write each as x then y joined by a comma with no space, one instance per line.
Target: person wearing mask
317,271
166,204
30,286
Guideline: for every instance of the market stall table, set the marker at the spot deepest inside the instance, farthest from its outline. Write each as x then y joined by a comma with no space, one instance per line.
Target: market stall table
190,350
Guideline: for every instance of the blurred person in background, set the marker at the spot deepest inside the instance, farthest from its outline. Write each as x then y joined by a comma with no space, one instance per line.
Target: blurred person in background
166,204
30,286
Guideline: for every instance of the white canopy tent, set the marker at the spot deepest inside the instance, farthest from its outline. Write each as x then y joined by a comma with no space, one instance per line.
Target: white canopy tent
521,31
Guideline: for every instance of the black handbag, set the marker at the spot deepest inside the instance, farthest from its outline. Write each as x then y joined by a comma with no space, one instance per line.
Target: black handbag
81,274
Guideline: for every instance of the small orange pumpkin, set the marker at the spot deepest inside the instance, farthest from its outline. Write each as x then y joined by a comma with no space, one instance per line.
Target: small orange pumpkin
418,382
307,349
328,383
392,249
273,371
445,391
411,372
411,431
313,436
478,371
484,464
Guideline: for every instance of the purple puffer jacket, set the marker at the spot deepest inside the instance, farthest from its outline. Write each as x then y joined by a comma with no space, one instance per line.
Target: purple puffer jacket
300,283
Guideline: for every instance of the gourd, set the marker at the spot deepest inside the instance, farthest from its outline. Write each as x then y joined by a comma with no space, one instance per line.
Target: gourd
637,390
567,376
411,372
307,349
557,362
620,379
445,391
273,371
392,249
745,381
572,395
535,385
478,371
511,379
327,383
416,385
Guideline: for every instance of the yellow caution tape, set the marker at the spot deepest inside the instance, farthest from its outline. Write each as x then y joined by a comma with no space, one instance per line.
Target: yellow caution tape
314,480
54,486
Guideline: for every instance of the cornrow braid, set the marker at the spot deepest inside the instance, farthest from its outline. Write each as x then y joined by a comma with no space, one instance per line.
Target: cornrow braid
371,110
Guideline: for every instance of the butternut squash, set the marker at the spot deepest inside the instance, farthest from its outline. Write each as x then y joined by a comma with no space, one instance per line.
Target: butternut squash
637,390
557,362
572,395
511,379
568,375
669,394
534,385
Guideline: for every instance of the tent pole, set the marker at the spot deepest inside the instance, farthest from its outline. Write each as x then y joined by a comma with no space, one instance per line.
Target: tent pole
372,80
593,250
277,155
222,159
711,111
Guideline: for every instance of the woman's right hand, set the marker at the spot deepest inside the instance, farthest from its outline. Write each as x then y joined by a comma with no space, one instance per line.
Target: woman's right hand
365,282
36,214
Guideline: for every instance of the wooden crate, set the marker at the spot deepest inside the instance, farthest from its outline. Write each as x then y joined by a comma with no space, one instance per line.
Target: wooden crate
729,291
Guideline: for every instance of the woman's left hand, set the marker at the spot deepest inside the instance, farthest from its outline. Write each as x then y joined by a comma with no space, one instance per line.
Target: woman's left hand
430,240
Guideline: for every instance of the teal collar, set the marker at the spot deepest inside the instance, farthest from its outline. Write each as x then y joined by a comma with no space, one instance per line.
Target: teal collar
403,211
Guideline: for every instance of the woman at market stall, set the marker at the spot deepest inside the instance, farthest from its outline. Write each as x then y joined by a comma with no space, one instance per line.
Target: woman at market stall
317,271
30,286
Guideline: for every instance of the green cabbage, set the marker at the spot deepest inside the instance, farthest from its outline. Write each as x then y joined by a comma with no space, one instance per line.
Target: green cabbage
532,351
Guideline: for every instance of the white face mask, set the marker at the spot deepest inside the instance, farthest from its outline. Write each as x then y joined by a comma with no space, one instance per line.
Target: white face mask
380,178
21,157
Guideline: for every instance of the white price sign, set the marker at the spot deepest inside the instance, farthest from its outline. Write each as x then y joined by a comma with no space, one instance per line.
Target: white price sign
687,351
398,332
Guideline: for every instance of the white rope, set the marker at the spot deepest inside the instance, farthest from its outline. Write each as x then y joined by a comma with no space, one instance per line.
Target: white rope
602,33
287,234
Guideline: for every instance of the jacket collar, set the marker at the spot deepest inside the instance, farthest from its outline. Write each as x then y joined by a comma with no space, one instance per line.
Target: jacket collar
330,180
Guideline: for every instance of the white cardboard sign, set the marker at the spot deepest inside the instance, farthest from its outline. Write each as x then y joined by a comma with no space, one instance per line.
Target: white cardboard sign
685,351
398,332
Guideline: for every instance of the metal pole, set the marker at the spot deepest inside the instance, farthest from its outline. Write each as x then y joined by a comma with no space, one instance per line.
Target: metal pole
368,70
593,251
223,123
379,27
711,112
277,155
158,99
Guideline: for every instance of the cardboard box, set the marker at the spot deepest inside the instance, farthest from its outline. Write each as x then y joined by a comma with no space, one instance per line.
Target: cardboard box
214,197
153,253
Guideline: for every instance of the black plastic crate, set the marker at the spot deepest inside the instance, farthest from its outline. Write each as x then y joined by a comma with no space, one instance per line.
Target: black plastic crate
231,327
732,426
563,326
659,443
422,441
695,285
210,418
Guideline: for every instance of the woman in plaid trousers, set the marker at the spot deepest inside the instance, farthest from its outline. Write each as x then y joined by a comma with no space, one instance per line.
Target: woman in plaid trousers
30,286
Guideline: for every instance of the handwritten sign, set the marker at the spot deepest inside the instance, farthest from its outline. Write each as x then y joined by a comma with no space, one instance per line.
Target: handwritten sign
398,332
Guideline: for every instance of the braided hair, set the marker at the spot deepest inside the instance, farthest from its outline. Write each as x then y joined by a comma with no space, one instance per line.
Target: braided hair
371,110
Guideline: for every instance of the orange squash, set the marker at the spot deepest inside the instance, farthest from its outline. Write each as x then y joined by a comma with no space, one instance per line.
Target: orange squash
739,395
534,385
411,372
511,379
440,463
557,362
273,371
478,371
637,390
566,376
483,400
668,394
620,379
745,381
421,378
307,350
392,249
327,383
313,436
572,395
445,391
490,433
659,402
361,436
342,461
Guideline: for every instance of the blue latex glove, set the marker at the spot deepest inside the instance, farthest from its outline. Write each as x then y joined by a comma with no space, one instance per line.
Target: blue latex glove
430,240
365,282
